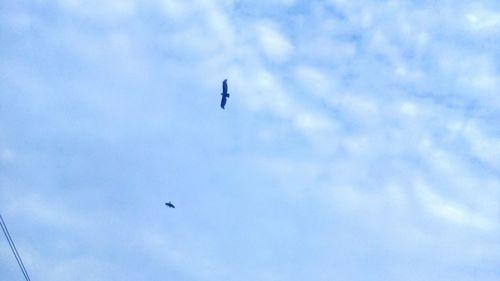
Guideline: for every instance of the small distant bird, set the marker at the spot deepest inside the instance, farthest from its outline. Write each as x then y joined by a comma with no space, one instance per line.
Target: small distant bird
224,94
170,204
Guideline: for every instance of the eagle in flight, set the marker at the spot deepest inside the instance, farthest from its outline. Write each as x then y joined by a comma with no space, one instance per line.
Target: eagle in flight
170,204
224,94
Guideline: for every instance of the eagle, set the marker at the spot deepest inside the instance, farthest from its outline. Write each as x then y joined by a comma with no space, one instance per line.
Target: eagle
224,94
170,204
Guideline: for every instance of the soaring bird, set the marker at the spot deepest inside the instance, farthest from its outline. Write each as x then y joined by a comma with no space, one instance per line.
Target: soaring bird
224,94
170,204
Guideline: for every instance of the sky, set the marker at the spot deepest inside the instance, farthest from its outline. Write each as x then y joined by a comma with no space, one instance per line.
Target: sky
361,140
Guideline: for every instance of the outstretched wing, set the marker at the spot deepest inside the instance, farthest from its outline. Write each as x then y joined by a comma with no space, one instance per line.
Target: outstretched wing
223,102
224,86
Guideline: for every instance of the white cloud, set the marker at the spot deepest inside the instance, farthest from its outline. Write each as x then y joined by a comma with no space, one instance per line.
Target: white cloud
175,10
315,82
408,108
484,147
266,93
484,21
110,12
40,210
452,212
310,122
350,103
274,44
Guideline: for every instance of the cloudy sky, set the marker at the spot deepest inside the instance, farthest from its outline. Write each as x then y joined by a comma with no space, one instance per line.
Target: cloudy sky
361,140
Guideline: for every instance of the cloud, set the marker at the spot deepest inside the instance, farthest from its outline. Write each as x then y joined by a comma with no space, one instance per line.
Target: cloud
175,10
275,46
452,212
484,147
357,135
483,20
109,12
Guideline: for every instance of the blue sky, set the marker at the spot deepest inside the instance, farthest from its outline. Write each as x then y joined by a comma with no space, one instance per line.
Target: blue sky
361,140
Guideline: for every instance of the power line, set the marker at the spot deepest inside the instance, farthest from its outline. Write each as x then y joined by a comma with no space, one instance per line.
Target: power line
14,249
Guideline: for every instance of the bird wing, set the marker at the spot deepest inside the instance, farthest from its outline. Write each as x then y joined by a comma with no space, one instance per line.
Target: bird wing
223,102
224,86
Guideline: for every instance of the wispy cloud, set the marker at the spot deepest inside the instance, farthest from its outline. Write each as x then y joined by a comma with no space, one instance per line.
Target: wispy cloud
360,141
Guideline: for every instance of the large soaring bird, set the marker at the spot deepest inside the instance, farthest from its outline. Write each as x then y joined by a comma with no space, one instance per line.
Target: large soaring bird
224,94
170,204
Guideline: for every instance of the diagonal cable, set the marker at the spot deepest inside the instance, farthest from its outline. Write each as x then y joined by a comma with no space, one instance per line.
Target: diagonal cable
14,249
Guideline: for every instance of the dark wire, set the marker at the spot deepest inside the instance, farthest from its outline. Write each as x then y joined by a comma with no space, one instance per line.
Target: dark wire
14,249
11,247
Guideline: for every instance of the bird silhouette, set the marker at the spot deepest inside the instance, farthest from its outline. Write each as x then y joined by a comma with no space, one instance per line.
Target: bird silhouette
170,204
224,94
